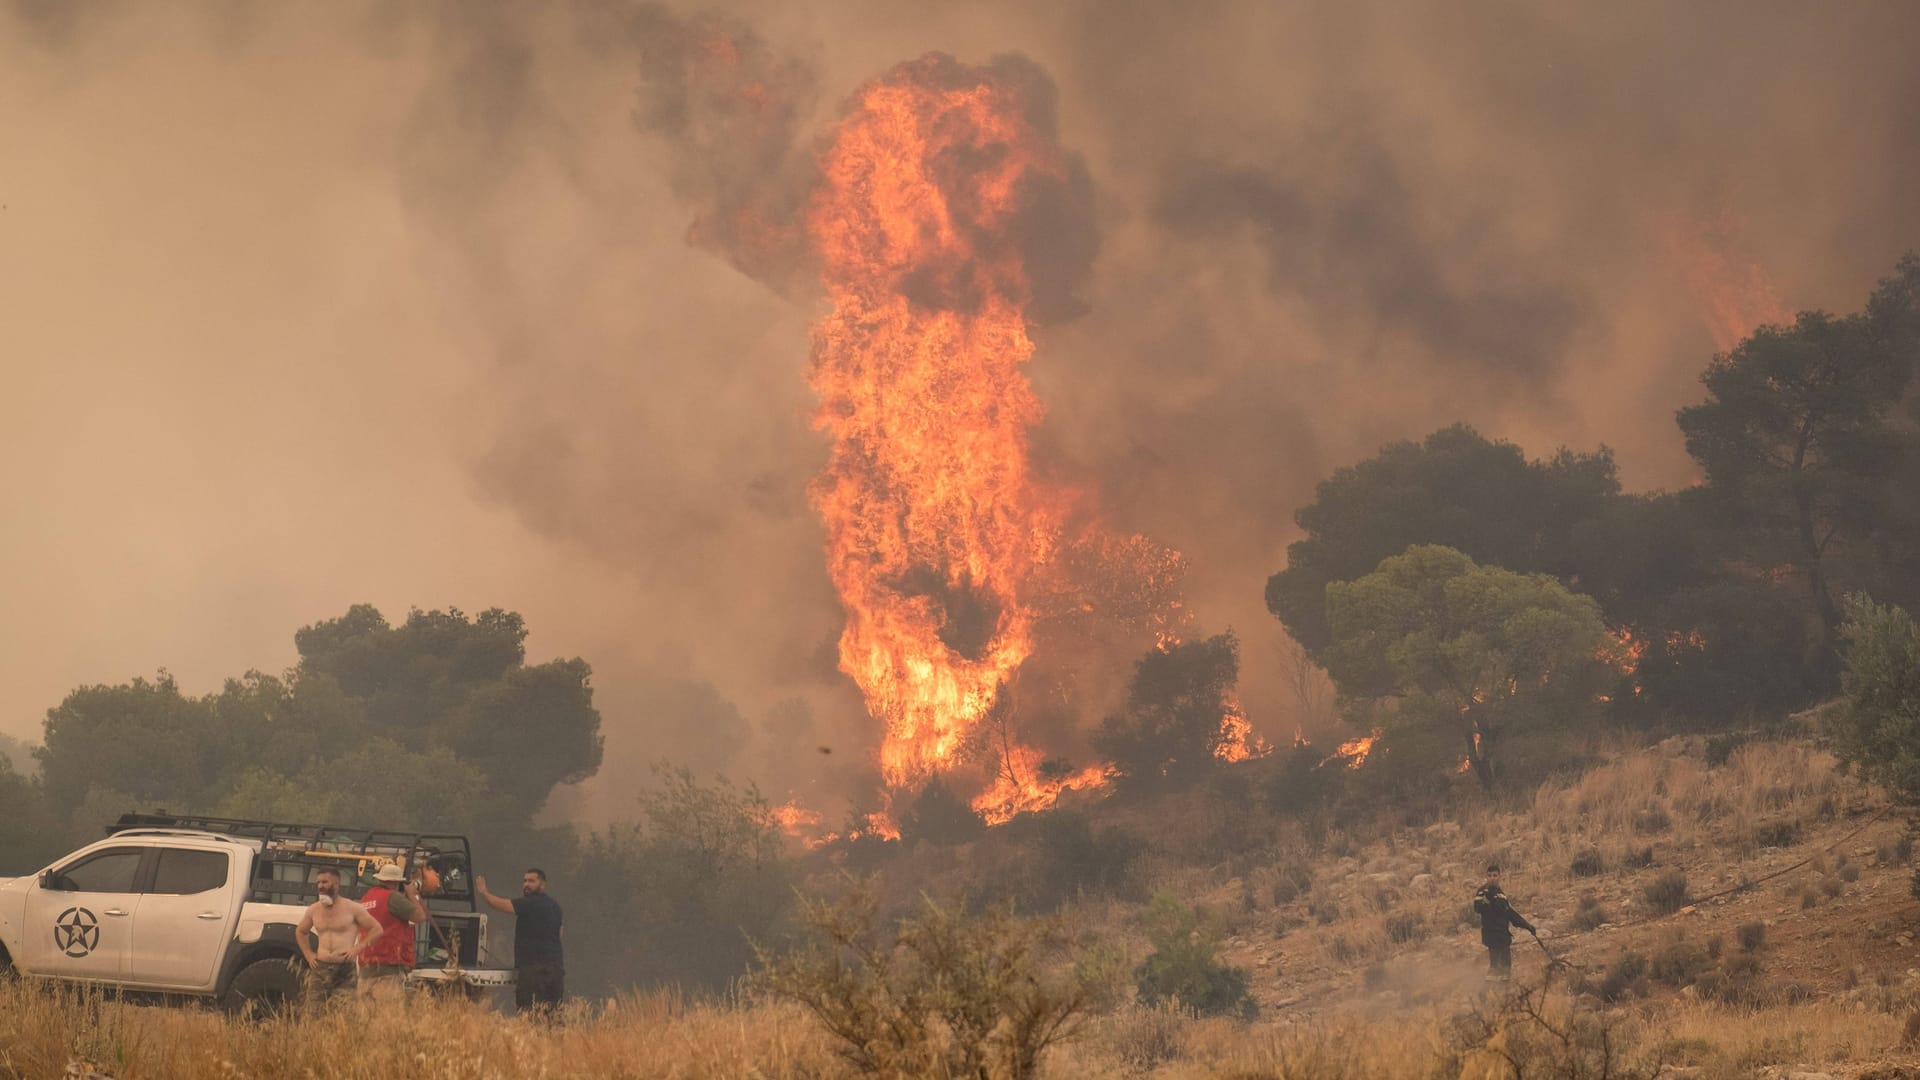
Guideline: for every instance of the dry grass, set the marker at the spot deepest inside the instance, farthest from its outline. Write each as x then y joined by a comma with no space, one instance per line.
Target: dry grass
1761,781
42,1032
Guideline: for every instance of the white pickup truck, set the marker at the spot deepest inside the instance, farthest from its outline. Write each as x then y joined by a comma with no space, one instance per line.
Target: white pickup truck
206,907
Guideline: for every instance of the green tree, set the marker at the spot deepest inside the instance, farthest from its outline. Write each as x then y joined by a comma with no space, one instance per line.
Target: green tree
143,738
1456,489
438,723
1170,728
680,896
444,680
1431,641
27,838
1796,434
1877,728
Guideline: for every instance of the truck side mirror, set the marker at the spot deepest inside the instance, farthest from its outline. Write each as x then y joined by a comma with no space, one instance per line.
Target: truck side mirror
46,879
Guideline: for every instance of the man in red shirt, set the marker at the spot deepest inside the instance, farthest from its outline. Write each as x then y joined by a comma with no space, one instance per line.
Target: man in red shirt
397,907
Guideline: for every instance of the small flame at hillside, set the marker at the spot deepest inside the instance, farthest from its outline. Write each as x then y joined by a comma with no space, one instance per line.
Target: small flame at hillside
935,529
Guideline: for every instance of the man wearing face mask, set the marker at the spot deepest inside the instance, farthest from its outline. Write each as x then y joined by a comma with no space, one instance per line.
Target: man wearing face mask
338,924
540,974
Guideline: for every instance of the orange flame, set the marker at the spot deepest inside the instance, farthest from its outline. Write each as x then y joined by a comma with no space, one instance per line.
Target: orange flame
1354,751
792,818
1734,294
935,530
1019,786
1237,739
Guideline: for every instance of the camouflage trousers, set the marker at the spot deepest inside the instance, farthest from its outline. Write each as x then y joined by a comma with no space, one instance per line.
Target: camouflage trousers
326,980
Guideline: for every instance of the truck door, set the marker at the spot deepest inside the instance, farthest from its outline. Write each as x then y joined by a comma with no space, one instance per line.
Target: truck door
79,917
185,919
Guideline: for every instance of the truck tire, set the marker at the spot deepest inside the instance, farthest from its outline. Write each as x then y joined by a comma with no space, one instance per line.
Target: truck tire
263,988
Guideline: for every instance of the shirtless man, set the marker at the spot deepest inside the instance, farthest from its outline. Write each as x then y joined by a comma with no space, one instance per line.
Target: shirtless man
338,923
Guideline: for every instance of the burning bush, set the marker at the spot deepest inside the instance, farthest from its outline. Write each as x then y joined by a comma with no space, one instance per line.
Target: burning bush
1170,731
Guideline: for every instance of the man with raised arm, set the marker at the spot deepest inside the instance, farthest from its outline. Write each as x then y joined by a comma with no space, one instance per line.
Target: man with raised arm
540,974
338,924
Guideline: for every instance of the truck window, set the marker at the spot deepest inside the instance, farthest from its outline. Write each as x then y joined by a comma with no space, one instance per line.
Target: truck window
183,872
109,871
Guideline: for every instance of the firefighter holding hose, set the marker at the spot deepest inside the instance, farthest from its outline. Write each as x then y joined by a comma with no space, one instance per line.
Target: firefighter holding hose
1497,918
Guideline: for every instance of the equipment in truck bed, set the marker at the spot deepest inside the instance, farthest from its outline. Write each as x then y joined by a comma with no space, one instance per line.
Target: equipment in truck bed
292,854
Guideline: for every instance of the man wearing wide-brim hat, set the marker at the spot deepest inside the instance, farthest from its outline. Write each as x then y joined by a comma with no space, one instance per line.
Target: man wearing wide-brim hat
396,905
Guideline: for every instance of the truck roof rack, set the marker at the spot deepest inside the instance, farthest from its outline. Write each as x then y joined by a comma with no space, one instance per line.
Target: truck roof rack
292,853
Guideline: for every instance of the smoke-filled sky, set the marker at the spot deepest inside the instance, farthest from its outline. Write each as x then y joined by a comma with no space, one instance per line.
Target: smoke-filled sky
421,304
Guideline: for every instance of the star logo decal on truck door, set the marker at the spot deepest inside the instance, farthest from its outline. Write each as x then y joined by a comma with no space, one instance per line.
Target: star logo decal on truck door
76,932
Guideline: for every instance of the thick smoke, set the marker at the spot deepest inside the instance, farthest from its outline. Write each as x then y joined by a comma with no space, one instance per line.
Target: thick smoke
733,109
396,303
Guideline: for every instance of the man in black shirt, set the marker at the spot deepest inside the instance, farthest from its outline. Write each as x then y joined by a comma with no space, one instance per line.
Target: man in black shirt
1496,918
540,972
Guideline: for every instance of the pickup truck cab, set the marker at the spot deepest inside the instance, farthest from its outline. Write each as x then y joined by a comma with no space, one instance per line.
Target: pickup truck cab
207,907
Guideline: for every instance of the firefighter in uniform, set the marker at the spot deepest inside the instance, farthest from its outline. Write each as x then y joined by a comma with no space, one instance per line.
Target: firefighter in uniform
1497,918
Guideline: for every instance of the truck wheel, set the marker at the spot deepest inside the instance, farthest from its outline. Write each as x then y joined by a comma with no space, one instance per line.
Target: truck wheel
6,966
263,988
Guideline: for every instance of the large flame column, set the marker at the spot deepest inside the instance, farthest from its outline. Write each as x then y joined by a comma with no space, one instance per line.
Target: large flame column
934,526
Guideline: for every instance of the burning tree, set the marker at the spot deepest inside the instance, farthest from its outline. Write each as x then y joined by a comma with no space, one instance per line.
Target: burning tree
1432,642
1171,729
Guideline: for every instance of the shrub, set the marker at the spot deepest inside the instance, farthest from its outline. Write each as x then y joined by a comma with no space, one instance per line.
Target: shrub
944,995
1667,893
1185,963
1638,858
1874,728
1679,964
1849,872
1073,859
1295,881
1735,982
1651,820
1588,863
1324,909
1590,915
1105,971
1777,834
940,817
1403,929
1532,1034
1624,978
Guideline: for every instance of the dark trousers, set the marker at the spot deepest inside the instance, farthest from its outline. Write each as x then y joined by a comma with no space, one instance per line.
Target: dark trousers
539,987
1500,958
